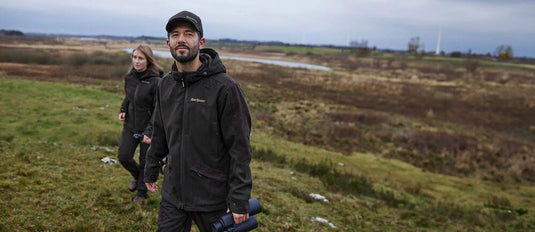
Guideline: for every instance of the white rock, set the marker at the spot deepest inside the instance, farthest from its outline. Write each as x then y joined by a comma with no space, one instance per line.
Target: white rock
318,197
323,220
109,160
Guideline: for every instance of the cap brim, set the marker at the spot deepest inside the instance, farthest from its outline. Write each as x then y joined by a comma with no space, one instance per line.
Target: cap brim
170,25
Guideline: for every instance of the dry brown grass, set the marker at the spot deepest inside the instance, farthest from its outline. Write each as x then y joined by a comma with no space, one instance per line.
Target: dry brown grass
440,116
445,120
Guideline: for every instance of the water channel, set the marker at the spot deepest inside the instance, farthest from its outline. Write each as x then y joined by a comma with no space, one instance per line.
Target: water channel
167,54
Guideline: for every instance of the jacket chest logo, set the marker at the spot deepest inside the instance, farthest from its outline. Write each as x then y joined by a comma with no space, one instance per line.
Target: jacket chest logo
197,100
145,82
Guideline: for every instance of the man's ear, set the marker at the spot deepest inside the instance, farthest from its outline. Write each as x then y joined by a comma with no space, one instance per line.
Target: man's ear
167,42
202,42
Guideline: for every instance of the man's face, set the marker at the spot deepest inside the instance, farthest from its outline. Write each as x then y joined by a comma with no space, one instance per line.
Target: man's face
184,42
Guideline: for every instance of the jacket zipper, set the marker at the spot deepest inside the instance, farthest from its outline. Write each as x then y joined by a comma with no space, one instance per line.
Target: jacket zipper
134,103
182,178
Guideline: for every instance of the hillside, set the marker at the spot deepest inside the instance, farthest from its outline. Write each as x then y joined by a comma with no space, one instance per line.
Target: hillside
394,144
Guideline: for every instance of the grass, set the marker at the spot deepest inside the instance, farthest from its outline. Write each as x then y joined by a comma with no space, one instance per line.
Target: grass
53,179
53,137
484,62
387,150
60,114
462,127
298,49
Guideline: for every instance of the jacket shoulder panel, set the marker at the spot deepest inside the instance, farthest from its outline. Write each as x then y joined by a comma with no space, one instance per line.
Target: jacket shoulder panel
224,79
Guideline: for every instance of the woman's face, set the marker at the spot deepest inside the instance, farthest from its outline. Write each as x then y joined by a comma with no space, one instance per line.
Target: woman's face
139,61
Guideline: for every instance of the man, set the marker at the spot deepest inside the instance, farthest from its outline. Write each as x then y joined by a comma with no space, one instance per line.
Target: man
202,123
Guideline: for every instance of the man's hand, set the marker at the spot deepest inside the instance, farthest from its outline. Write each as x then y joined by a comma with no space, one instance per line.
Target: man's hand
153,187
239,218
146,140
122,116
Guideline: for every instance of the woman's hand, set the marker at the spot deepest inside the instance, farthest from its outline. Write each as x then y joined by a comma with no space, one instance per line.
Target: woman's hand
146,140
122,116
152,187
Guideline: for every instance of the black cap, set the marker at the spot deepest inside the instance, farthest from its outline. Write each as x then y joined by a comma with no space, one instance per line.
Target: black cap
185,16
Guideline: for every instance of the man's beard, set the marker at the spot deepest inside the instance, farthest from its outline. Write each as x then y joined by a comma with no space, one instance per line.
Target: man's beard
193,52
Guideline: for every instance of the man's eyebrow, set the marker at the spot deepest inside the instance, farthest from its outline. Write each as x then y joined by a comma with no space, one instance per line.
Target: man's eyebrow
186,30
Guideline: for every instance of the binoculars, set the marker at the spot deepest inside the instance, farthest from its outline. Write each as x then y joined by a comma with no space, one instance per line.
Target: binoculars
138,136
226,222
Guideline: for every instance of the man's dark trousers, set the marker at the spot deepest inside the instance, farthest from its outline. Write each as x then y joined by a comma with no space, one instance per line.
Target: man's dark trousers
172,218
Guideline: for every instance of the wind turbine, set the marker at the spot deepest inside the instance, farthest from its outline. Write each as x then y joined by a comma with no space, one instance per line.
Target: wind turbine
437,52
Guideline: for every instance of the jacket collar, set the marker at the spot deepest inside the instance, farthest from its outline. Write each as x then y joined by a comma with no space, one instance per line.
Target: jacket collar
211,65
143,75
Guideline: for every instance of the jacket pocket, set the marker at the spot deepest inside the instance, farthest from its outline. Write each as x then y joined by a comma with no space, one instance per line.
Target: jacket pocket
209,173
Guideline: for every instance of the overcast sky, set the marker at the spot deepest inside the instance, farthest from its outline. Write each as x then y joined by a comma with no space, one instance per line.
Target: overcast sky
479,25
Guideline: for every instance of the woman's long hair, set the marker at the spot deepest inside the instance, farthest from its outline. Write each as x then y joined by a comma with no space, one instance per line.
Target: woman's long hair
151,62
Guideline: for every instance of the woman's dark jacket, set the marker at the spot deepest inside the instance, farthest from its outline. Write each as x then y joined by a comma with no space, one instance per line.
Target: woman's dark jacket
138,104
202,124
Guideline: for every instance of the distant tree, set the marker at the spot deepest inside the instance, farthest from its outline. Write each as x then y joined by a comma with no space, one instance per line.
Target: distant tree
422,53
11,32
504,52
357,44
362,49
414,45
456,54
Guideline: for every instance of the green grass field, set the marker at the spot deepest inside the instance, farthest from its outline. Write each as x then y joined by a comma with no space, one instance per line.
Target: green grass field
393,143
297,49
53,136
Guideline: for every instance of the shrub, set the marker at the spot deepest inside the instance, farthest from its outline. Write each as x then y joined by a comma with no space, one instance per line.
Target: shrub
456,54
333,179
109,138
29,56
362,52
470,65
360,117
267,155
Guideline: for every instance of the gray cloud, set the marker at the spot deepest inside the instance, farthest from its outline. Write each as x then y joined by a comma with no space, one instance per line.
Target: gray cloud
473,24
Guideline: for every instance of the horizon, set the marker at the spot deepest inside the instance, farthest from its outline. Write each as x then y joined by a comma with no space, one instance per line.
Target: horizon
245,41
478,26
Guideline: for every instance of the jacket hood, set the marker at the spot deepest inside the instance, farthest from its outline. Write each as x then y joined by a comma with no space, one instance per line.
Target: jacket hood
211,65
144,75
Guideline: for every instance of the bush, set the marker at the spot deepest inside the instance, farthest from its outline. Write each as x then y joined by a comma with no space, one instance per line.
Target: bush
328,173
456,54
470,65
29,56
362,52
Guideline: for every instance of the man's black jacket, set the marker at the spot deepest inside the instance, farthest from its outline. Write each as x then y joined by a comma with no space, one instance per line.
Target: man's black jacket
202,124
138,103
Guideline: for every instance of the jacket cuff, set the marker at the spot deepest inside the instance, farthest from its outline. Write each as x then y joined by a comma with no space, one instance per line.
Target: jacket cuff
148,133
151,175
239,206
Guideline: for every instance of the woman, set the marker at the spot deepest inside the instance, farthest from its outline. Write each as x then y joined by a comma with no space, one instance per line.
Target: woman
140,84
